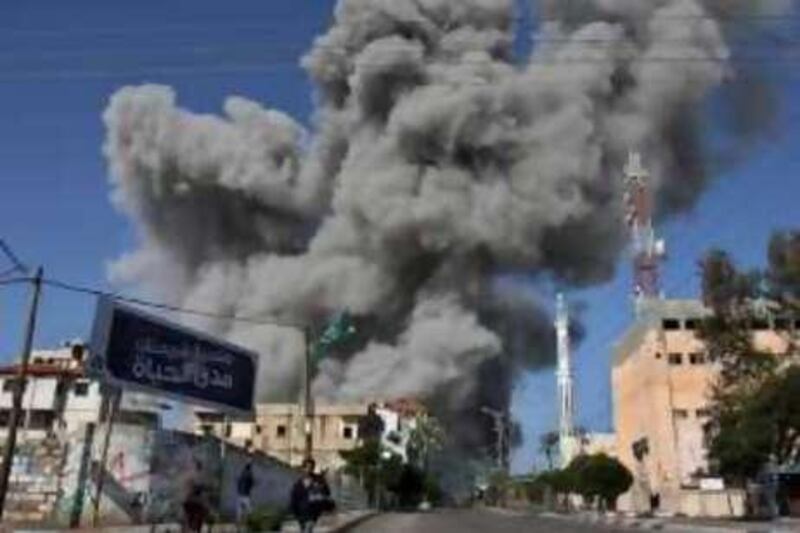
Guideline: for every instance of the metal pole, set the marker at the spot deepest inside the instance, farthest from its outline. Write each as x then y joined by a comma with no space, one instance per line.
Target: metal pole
308,408
19,389
114,401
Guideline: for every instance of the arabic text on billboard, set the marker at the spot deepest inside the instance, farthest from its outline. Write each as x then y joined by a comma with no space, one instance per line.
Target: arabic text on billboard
148,353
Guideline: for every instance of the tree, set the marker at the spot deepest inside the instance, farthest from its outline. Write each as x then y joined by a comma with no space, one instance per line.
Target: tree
364,462
427,437
547,445
754,419
599,478
381,471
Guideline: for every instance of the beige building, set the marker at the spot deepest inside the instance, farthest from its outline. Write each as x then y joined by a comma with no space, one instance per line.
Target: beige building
595,443
661,380
279,431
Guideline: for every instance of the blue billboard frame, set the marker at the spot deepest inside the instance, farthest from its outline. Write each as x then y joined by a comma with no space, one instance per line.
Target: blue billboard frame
133,350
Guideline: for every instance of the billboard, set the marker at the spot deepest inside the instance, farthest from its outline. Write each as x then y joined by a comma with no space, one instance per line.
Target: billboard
134,350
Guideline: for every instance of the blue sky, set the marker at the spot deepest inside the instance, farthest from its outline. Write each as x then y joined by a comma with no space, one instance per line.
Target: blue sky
60,62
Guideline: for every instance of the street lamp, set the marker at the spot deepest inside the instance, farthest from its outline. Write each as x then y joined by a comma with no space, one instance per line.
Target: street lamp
500,425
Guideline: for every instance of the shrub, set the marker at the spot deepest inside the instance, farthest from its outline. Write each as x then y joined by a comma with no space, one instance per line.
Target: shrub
265,519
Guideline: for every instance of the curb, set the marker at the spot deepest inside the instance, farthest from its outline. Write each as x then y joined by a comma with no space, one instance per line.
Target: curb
347,526
653,524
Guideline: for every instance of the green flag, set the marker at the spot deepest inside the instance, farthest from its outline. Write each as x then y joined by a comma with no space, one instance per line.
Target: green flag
338,330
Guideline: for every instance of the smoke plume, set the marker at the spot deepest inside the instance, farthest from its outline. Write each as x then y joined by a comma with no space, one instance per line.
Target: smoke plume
436,162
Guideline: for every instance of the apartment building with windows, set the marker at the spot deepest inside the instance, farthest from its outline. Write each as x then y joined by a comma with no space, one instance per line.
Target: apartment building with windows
59,398
661,383
278,429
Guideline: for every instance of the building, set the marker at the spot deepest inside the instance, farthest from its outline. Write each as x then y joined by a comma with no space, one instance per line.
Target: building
400,419
278,429
595,443
661,382
59,398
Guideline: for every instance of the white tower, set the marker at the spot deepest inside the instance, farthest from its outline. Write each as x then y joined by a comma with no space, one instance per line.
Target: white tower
566,430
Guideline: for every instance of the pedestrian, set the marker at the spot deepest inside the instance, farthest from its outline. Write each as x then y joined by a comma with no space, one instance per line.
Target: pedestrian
311,497
195,507
244,488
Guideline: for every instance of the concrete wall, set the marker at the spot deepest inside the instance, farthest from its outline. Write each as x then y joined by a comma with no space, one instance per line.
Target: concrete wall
273,479
714,504
155,467
35,481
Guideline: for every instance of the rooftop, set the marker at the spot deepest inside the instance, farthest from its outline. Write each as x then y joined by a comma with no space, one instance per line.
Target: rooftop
651,315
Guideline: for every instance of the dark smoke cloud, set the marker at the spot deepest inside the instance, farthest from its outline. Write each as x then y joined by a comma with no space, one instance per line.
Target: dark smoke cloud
435,163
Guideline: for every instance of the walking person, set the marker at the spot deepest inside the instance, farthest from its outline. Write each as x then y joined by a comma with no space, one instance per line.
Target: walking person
311,497
195,505
244,489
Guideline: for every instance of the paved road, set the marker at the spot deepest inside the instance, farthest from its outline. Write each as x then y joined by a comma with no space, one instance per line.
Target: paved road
470,521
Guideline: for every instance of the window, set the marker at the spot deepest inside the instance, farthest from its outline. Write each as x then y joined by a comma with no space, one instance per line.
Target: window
82,388
280,431
781,324
658,355
680,414
348,432
703,413
41,419
228,430
675,358
760,324
207,429
258,429
671,324
697,358
692,323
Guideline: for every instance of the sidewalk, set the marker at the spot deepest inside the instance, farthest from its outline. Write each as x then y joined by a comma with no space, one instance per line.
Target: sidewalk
335,523
679,525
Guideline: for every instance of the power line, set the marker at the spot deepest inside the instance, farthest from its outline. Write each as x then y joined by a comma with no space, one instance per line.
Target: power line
18,266
266,26
167,307
271,45
14,281
168,70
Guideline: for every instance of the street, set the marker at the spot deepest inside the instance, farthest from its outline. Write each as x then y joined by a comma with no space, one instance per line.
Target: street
466,521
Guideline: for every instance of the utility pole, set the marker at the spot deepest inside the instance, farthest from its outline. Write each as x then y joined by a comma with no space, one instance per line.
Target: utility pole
19,389
339,330
501,429
113,400
307,407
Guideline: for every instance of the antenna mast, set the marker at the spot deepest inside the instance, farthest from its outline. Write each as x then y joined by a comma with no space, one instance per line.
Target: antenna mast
648,250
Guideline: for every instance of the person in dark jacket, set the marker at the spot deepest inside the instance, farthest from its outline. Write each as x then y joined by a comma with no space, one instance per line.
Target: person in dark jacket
311,497
244,488
195,506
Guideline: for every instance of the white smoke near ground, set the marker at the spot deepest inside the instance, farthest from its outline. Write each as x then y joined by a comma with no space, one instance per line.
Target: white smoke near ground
437,161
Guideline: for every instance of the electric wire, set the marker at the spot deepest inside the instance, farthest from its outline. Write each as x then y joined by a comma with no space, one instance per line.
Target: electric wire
57,284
